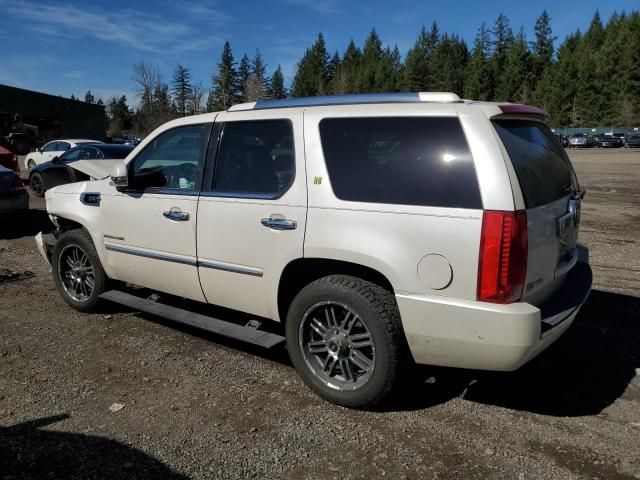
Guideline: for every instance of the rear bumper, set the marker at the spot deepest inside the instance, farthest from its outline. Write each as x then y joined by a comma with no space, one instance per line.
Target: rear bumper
13,201
479,335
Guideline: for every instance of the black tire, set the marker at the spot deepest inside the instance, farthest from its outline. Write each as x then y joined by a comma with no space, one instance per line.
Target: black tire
377,309
65,245
36,184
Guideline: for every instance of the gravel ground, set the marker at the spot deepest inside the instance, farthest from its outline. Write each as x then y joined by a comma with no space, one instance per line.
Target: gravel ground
197,406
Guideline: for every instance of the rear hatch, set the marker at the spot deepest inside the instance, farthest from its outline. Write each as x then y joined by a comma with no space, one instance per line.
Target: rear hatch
552,197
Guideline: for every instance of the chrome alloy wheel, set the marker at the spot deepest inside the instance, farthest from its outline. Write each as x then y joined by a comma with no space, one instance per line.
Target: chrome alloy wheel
76,273
337,346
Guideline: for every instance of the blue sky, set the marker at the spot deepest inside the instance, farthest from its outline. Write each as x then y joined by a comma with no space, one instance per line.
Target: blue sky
69,46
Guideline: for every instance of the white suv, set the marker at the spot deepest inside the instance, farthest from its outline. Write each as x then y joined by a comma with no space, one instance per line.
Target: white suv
379,229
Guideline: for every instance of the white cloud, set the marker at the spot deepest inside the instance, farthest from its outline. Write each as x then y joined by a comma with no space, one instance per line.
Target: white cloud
135,29
325,7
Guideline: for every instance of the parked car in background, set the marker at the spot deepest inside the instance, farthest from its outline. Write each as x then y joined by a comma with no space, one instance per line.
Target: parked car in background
13,195
8,159
609,141
75,165
633,141
380,229
581,140
622,137
563,139
55,148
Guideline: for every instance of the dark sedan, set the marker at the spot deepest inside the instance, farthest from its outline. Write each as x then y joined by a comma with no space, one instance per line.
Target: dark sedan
609,141
633,141
58,172
13,195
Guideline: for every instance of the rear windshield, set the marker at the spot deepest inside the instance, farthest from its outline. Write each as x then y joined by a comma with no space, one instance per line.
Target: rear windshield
400,160
544,171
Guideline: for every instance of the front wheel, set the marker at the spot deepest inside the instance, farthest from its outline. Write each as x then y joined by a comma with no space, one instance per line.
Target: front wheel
345,339
36,184
77,271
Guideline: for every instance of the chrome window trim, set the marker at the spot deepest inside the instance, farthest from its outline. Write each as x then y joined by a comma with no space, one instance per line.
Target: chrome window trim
257,196
231,267
226,267
153,255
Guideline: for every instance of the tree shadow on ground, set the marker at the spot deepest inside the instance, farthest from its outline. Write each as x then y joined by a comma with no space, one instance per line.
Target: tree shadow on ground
28,452
584,372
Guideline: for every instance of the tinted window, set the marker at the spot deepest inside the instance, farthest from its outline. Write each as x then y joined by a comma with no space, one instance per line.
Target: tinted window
255,157
400,160
541,164
63,146
50,147
72,155
171,160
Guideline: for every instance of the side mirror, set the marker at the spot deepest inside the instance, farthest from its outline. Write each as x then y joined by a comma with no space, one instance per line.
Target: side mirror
120,176
55,159
39,150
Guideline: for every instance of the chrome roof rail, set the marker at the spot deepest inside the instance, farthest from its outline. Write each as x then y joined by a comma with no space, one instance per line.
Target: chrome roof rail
350,99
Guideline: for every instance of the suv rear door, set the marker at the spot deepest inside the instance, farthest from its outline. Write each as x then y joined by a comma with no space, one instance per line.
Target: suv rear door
252,210
551,195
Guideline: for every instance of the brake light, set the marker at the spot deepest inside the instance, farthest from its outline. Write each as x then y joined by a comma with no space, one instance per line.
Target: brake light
17,183
503,256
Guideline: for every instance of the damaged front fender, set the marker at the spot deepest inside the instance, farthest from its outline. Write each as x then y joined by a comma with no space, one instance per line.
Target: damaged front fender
44,248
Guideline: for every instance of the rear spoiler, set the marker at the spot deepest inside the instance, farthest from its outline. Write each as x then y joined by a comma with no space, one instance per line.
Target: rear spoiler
521,109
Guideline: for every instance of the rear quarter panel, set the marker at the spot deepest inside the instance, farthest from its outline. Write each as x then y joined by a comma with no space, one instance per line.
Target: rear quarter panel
391,239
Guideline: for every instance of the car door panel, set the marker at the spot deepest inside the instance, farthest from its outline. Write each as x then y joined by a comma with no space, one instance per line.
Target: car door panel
240,259
150,231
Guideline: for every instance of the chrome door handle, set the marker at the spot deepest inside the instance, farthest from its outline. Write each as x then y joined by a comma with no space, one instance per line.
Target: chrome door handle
279,223
176,215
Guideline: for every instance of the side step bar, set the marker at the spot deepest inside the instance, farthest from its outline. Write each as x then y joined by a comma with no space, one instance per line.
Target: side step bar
246,334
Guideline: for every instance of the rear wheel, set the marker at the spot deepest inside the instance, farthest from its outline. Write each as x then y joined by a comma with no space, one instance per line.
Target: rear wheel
345,339
77,271
36,184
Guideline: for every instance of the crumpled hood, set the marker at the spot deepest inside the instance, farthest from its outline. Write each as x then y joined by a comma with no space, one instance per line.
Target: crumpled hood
96,169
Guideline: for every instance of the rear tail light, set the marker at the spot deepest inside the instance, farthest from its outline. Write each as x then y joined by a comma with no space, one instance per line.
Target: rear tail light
17,183
503,256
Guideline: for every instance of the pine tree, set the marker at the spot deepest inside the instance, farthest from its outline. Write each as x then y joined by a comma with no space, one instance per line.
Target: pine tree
479,78
542,46
89,98
515,81
311,77
449,62
244,72
224,85
416,68
350,66
72,97
258,84
502,39
370,75
181,88
277,89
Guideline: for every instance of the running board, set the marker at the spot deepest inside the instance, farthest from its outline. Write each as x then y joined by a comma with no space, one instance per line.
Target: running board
246,334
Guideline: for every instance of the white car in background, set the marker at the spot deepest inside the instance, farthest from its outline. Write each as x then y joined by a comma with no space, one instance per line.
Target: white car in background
54,148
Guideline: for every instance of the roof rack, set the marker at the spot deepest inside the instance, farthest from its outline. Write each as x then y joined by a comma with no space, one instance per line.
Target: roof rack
351,99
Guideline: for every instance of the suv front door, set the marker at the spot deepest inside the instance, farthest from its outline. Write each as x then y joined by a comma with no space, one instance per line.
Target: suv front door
252,211
150,227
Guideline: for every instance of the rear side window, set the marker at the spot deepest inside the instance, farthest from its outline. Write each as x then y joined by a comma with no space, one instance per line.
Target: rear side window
400,160
544,171
255,158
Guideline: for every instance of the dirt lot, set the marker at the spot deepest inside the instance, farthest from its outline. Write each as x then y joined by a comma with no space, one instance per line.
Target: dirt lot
197,406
